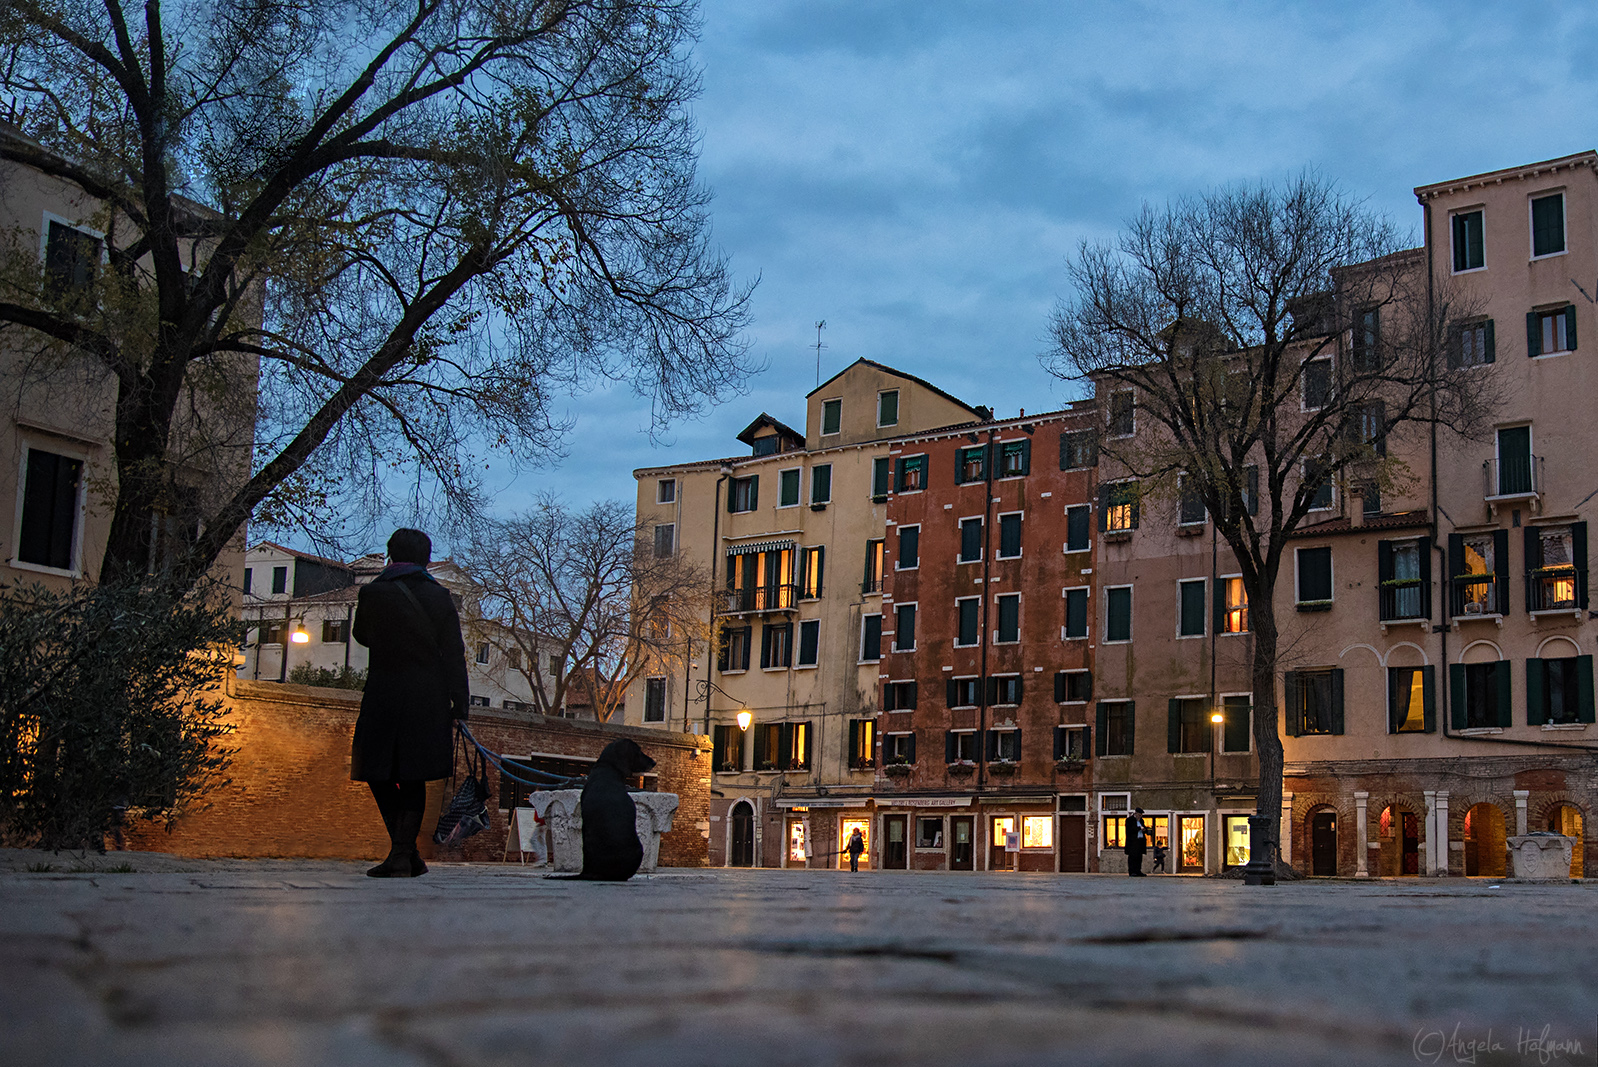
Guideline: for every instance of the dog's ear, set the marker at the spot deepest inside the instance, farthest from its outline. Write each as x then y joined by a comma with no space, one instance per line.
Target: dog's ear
640,761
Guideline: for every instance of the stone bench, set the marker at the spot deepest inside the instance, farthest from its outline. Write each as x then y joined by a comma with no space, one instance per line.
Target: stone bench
562,810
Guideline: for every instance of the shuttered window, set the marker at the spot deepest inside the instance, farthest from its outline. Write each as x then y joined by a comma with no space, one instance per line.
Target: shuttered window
1118,613
1076,613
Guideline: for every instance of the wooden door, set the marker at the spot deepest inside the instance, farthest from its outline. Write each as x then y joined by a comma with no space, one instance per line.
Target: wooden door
1323,843
1073,844
895,856
998,827
741,853
961,852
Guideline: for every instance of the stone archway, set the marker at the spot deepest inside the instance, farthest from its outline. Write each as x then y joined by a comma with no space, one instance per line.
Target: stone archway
1486,847
741,835
1398,830
1566,819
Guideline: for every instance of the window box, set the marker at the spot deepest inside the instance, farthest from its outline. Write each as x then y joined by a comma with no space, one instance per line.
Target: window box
962,769
897,770
1003,768
1117,537
1070,766
1191,529
1314,605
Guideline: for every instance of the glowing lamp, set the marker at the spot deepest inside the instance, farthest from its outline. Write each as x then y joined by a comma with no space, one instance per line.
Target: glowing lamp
1217,718
300,637
744,719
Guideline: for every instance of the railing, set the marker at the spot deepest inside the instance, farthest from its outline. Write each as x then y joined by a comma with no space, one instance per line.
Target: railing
1405,599
1474,594
759,598
1551,588
1512,477
871,585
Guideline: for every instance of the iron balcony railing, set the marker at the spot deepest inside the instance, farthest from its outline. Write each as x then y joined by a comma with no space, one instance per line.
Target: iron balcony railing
1551,588
1405,599
871,585
1512,477
1474,594
759,598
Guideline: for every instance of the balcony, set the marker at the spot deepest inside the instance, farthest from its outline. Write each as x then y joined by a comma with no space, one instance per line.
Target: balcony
1552,589
1475,596
1512,478
758,598
870,585
1405,600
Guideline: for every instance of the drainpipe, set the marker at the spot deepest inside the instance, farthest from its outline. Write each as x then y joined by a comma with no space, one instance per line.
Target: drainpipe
987,570
1444,708
715,543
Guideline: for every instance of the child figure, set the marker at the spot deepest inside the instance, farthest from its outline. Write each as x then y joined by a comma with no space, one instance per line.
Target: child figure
1159,857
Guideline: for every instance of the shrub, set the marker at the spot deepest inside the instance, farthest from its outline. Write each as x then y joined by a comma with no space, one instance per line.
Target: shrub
328,677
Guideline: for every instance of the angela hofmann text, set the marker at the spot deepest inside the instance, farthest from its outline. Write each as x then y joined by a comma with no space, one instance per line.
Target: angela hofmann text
1460,1045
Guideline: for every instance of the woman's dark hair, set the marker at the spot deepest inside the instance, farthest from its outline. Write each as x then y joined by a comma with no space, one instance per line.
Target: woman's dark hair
410,546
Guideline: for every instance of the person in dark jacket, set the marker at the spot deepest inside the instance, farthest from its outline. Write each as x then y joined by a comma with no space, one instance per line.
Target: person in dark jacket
1137,842
416,687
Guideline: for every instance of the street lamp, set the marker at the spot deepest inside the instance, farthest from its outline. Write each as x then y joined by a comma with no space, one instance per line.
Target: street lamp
744,719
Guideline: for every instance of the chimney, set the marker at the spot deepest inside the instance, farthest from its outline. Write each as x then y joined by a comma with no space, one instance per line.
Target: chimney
1356,505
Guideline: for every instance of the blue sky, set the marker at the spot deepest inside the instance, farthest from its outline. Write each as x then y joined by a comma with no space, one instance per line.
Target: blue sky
915,173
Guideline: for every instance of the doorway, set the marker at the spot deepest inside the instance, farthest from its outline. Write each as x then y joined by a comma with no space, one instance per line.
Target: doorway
1567,820
998,858
798,844
1400,838
961,854
1190,859
741,848
846,828
895,857
1486,850
1323,844
1073,844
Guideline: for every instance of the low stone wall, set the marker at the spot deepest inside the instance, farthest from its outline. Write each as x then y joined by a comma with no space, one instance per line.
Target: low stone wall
289,793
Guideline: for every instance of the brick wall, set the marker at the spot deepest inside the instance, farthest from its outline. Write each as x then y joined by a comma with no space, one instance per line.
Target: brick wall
290,793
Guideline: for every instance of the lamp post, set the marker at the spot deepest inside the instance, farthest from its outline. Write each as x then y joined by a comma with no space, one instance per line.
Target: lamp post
296,636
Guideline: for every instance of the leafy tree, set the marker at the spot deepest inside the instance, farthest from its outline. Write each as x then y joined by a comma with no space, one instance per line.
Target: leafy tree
1250,347
402,228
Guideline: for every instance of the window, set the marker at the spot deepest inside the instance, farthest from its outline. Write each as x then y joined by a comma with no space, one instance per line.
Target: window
1365,351
929,831
1556,567
733,654
666,491
1072,687
1411,701
1517,471
1079,448
1469,249
870,638
1118,613
1548,225
970,540
831,416
1190,608
274,632
1037,831
809,642
1551,331
1009,631
1369,426
1118,506
888,407
1559,690
776,645
1472,345
1403,569
1188,730
1010,535
898,748
1076,613
1070,743
478,702
1250,489
874,561
960,746
1478,574
881,478
1478,695
1315,577
966,611
1015,459
912,474
766,446
821,483
665,540
249,574
761,577
727,748
1319,484
1236,728
1315,384
482,652
1234,606
1114,728
1123,417
1076,528
335,631
782,746
280,579
812,568
904,628
71,258
654,700
1314,702
1190,508
909,548
1004,746
899,696
788,488
48,533
973,464
1114,836
513,658
743,494
862,743
963,692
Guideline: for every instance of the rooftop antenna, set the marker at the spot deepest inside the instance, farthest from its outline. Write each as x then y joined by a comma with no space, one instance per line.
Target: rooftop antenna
820,325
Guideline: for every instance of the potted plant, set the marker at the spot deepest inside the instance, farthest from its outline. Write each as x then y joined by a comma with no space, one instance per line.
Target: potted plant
1069,764
897,769
1003,768
962,769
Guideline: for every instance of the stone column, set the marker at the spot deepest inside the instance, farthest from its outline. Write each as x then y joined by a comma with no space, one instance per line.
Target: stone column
1362,829
1443,853
1520,811
1430,862
1287,829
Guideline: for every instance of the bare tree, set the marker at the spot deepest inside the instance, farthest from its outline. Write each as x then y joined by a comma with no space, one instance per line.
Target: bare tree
1250,348
418,220
591,590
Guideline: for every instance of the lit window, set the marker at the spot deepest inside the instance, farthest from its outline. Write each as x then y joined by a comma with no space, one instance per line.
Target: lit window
1037,831
1235,618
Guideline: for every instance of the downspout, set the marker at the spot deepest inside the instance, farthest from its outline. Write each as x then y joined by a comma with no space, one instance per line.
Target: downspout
688,657
987,570
1444,598
715,542
349,621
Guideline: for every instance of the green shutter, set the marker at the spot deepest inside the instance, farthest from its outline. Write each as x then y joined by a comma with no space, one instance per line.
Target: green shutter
1492,344
1101,718
1584,689
1294,699
1059,742
1578,556
854,742
1455,352
1534,334
754,492
1456,695
1026,446
810,740
911,755
1501,568
948,746
762,746
1059,687
1536,692
1384,561
1533,546
1426,576
1131,725
1501,676
1428,689
1337,700
1173,725
1570,328
1104,508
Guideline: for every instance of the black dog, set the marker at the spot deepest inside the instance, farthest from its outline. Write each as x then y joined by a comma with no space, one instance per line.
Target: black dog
611,851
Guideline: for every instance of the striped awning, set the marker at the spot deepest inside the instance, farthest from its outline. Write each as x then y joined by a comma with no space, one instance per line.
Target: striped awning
759,546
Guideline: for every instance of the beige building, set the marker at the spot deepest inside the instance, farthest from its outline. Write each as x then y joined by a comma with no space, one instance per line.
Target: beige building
792,534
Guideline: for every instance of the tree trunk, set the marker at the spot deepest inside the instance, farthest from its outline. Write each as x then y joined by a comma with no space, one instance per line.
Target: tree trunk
1267,738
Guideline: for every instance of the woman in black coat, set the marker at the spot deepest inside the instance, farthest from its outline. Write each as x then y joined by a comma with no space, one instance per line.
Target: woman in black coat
416,687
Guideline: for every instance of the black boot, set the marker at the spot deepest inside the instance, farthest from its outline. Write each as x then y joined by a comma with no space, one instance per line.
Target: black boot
402,860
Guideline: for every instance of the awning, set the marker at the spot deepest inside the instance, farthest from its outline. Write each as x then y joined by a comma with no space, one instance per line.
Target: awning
823,802
760,546
924,802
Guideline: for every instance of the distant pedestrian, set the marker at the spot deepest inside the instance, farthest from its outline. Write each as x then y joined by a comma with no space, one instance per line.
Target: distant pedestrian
416,687
857,845
1159,858
1136,843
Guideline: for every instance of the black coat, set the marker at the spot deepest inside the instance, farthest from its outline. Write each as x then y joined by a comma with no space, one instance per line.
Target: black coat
415,683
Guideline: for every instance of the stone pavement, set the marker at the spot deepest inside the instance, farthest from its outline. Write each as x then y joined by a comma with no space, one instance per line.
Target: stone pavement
280,962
